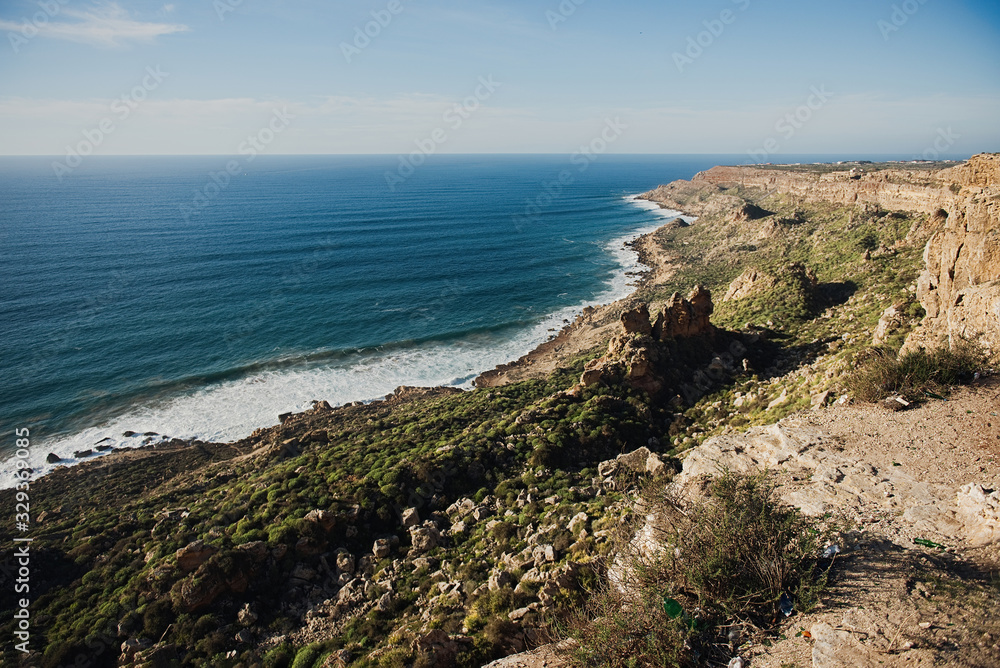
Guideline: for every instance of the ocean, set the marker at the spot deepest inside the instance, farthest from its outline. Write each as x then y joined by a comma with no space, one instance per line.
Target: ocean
200,297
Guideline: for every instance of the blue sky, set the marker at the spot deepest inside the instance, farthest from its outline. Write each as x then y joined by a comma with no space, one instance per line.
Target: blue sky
724,76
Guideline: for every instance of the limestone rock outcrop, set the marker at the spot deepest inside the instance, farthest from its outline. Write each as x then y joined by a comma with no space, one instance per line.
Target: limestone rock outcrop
960,285
635,352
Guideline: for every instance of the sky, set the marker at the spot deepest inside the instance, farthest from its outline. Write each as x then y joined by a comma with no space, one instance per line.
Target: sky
918,78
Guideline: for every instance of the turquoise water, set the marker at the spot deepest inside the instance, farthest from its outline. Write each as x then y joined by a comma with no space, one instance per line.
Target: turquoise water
140,294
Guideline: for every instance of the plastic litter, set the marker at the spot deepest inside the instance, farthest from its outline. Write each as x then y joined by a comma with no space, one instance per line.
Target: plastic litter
830,551
928,543
672,608
735,662
786,605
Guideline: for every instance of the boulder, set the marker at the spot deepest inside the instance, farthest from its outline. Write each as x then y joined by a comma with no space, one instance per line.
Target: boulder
325,520
411,518
193,555
979,509
685,318
345,561
636,321
501,579
52,458
423,539
382,548
891,320
655,465
578,523
839,649
635,461
437,648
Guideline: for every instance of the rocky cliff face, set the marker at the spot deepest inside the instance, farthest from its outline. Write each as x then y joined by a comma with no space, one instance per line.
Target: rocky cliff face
888,188
960,286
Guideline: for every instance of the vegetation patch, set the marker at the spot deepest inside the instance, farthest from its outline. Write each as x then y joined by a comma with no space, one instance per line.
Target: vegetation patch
728,566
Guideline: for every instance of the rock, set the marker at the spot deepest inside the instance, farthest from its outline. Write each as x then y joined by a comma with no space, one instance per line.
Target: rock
193,555
635,461
636,321
411,518
839,649
423,539
382,548
591,377
685,318
345,561
607,468
655,465
246,616
129,434
820,399
303,573
104,448
437,648
325,520
79,454
500,580
960,285
780,400
52,458
284,417
979,509
891,320
578,523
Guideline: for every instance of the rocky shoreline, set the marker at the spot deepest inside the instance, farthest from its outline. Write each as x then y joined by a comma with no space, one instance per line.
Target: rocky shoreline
450,528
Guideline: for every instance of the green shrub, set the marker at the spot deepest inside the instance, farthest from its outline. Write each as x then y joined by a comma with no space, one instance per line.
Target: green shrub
726,559
881,373
306,657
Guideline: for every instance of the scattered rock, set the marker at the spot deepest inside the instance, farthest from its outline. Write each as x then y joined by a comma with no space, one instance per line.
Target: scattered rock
382,548
325,520
52,458
193,555
411,518
839,649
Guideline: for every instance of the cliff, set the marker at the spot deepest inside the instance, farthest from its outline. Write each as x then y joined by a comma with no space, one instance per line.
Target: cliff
958,287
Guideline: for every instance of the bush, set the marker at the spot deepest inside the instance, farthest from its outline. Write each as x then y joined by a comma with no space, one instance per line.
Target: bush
882,374
725,560
306,657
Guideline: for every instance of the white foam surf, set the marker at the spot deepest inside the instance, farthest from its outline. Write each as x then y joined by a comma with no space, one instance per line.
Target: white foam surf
232,410
655,207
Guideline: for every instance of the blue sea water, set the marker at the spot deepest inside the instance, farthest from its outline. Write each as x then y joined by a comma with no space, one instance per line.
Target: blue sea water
142,294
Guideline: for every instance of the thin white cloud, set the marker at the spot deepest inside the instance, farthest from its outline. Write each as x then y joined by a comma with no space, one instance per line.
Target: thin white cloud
105,25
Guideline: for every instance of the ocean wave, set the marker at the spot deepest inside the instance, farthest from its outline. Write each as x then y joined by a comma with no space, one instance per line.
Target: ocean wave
232,409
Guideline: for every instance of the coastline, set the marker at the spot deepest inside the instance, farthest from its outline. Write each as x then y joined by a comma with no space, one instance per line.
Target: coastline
578,329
